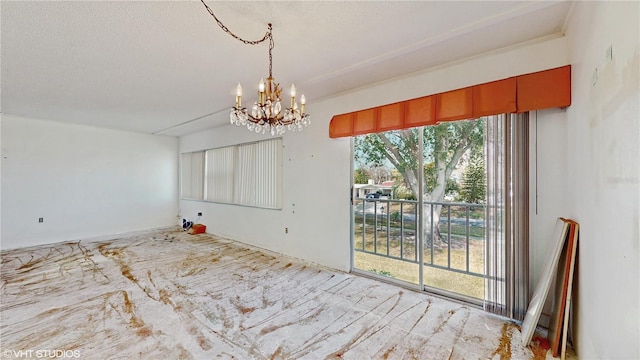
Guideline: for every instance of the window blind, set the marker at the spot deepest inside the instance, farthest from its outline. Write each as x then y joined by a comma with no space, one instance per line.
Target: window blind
192,175
220,174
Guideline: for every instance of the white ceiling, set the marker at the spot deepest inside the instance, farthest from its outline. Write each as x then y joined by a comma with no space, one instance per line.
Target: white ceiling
167,68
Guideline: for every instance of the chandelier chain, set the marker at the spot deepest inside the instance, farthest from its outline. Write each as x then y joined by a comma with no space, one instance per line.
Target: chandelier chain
226,29
268,35
266,114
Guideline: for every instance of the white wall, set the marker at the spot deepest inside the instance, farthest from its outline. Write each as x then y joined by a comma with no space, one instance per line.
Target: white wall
83,181
317,175
1,180
548,191
603,176
315,198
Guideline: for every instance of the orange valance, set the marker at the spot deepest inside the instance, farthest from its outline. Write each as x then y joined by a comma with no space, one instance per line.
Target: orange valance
540,90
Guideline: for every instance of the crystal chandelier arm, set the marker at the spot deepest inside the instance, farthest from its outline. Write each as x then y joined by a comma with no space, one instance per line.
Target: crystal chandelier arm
266,114
226,29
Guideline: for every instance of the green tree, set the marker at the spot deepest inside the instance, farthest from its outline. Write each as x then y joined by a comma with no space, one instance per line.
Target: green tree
451,187
379,174
360,176
444,146
474,181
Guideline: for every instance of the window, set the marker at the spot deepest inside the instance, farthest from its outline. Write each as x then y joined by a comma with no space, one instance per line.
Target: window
456,219
246,174
219,174
192,175
259,169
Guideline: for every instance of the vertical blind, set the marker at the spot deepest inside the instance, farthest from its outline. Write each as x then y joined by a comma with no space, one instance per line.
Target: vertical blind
192,175
247,174
246,180
269,173
219,175
507,241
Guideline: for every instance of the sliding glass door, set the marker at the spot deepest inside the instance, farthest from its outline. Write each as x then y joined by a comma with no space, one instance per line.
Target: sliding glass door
416,220
385,209
443,208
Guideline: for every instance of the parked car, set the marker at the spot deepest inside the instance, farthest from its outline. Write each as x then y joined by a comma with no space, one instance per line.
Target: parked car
377,196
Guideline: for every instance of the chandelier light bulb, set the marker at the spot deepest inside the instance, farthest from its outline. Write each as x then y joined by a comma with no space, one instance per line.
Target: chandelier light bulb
261,92
238,95
266,114
293,95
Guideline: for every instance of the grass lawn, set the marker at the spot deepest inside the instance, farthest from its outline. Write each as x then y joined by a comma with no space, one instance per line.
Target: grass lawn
468,285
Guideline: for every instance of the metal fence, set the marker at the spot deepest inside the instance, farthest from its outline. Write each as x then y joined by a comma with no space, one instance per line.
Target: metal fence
389,228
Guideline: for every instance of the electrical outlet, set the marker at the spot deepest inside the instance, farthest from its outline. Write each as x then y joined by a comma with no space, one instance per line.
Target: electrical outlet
199,214
286,230
40,220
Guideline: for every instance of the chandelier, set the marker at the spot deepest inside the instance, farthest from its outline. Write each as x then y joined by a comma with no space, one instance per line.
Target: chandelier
266,114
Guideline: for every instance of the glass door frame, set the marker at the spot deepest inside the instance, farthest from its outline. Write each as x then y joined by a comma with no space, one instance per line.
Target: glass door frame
420,233
419,229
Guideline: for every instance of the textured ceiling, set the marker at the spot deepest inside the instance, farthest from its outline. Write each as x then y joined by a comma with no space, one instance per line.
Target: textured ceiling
167,68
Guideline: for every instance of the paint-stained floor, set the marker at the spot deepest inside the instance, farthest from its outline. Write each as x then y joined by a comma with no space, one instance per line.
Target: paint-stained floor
169,295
